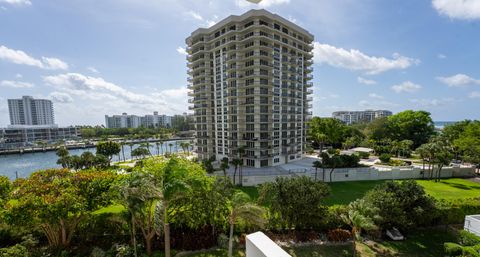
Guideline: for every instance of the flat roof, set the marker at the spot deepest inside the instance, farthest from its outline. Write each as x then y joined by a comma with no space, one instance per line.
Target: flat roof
251,13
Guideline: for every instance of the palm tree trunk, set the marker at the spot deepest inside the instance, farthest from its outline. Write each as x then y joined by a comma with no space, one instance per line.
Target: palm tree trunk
123,152
134,241
234,175
230,241
316,173
166,229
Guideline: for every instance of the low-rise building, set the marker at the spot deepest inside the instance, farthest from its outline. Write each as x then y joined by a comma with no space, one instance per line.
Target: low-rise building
350,117
23,135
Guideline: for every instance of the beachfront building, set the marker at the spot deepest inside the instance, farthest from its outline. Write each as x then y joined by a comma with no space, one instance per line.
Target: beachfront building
250,86
133,121
350,117
16,136
30,111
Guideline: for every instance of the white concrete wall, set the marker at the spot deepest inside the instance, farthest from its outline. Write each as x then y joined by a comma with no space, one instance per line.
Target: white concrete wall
260,245
472,224
368,173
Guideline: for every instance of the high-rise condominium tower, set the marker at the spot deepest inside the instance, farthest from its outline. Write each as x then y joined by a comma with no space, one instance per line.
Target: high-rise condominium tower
249,80
29,111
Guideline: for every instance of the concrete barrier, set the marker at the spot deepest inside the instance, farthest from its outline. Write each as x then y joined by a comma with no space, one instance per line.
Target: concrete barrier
260,245
363,173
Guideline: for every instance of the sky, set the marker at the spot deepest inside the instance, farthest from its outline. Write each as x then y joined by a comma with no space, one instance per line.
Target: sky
93,58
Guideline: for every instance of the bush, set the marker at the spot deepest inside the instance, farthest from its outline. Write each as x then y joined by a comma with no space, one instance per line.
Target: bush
363,155
385,157
468,239
339,235
454,212
453,249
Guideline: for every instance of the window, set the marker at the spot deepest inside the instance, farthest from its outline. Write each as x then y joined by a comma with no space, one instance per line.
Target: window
276,160
263,163
250,163
262,22
248,24
249,82
276,26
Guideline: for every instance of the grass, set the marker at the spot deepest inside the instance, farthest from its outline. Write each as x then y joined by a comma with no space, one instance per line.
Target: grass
346,192
451,189
301,251
425,243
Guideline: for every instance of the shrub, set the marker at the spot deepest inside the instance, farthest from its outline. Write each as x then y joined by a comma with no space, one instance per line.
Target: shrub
339,235
454,212
97,252
385,158
363,155
453,249
468,239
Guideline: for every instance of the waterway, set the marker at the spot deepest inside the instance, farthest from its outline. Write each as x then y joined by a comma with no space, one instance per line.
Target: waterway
22,165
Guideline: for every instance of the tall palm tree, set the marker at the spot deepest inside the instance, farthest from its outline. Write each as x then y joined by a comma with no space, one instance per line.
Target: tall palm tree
316,165
224,166
131,144
360,216
170,147
122,144
241,154
236,163
157,144
241,208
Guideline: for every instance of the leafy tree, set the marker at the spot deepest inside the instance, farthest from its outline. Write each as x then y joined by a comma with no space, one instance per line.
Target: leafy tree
317,165
56,200
385,158
469,143
416,126
360,215
295,202
108,149
443,153
327,131
241,208
403,205
101,161
5,189
140,152
338,161
453,132
87,159
174,178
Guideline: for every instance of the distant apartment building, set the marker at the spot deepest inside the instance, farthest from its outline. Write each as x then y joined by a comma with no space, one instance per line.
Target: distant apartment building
249,81
133,121
30,111
350,117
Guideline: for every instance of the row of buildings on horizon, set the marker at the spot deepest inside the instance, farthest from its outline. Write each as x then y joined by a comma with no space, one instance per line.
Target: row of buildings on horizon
33,120
351,117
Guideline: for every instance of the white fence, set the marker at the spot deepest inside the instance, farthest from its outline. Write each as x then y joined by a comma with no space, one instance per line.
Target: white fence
357,174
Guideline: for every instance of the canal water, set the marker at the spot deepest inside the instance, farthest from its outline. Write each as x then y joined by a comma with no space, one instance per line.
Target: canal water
24,164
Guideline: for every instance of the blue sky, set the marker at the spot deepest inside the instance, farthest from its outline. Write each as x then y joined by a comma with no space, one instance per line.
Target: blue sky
105,57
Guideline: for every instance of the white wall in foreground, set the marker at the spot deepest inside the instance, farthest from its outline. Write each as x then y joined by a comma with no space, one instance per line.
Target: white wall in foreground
260,245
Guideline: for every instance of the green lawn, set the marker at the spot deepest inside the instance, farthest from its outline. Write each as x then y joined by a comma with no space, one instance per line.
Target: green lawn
346,192
303,251
451,189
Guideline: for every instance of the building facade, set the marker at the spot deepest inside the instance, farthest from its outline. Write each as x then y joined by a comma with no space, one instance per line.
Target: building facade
350,117
30,111
133,121
22,136
249,81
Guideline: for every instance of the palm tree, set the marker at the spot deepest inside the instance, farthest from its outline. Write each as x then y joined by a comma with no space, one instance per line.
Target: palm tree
241,153
235,162
131,144
224,166
170,147
122,144
242,208
316,165
320,139
157,144
360,216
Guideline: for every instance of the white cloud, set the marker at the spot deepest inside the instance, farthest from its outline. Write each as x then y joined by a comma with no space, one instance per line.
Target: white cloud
20,57
92,69
355,60
182,50
407,87
375,96
15,84
441,56
18,76
432,102
261,3
458,9
60,97
458,80
198,17
366,81
17,2
474,94
54,64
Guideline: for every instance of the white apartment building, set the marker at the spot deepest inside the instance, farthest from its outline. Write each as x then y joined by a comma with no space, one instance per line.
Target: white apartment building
249,81
133,121
350,117
30,111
